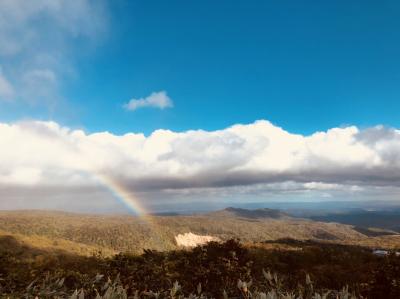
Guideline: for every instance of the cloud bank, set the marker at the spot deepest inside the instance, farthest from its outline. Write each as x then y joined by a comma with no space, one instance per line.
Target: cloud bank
241,160
158,100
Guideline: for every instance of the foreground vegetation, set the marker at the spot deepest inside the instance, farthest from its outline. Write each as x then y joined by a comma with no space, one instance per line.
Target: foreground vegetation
305,269
272,289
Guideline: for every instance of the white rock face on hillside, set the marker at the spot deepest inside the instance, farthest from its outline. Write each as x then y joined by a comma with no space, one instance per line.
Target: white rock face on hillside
193,240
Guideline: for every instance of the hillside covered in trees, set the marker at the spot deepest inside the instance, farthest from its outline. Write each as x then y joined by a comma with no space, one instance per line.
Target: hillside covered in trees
110,234
52,254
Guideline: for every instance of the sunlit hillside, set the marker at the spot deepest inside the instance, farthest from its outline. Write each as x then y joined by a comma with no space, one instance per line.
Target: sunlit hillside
82,233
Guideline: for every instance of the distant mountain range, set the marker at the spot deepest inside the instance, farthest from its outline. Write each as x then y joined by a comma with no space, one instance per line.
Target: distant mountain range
250,214
383,219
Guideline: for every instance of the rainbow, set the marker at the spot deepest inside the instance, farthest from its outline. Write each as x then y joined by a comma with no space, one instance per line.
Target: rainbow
133,204
125,196
129,200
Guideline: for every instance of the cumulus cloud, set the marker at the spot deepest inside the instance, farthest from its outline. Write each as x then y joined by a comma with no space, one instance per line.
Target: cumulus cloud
158,100
253,159
37,42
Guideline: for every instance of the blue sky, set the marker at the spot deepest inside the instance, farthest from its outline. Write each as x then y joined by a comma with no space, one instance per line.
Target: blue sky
259,101
305,66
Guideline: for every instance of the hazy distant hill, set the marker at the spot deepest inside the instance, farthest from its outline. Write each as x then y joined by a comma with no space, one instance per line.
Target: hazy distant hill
385,219
83,233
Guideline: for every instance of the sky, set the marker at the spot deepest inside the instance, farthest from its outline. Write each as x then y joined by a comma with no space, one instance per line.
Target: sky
131,105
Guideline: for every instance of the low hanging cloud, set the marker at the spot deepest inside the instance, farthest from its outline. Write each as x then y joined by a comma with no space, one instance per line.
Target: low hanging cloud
159,100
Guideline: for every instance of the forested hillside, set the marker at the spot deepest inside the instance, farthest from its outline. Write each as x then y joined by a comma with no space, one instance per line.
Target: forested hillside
115,233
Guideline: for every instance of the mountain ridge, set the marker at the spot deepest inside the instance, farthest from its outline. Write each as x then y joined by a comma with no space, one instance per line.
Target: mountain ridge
251,213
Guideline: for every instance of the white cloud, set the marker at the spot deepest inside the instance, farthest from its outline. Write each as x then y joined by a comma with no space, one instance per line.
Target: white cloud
158,100
37,39
320,186
26,23
243,160
6,89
